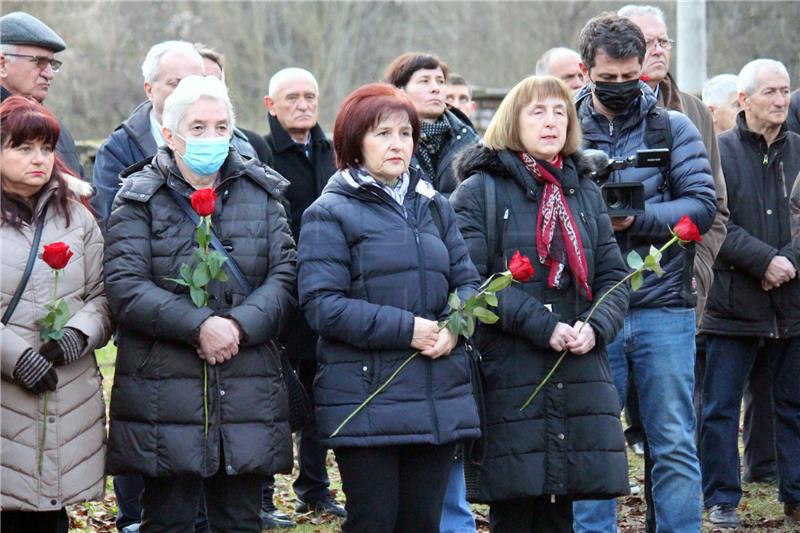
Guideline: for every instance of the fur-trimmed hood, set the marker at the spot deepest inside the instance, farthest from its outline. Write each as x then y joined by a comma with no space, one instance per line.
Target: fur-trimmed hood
483,159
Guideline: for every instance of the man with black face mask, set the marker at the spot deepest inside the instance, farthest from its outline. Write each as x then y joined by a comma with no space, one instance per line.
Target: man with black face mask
657,342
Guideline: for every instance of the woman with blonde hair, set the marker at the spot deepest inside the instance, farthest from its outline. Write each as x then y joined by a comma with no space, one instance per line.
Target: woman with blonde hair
527,189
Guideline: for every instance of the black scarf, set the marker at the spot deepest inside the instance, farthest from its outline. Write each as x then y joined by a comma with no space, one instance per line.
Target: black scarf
430,143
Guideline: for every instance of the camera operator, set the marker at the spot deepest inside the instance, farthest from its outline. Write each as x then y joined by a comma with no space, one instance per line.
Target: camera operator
619,115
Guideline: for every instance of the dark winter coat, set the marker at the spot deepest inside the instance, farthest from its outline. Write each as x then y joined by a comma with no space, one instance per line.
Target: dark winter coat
157,400
367,267
569,441
793,120
65,146
759,181
306,178
462,135
690,191
129,144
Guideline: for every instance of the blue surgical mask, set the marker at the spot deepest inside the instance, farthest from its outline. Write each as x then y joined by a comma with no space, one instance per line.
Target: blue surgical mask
205,156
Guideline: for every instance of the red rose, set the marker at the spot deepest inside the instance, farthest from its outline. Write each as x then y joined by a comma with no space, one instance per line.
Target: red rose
686,231
203,201
520,267
56,255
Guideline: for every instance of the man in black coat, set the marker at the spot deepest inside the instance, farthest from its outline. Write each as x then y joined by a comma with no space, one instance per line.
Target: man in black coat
302,154
754,303
28,66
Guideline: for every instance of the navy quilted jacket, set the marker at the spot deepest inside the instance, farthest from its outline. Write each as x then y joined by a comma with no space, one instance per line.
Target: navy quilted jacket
367,267
691,191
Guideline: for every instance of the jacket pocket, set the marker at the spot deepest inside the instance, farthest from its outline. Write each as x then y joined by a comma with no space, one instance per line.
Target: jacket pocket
143,368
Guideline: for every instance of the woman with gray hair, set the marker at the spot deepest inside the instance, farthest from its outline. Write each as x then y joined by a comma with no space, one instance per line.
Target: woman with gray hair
192,433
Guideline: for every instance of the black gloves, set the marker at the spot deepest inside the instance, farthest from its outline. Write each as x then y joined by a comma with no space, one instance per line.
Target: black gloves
35,372
65,350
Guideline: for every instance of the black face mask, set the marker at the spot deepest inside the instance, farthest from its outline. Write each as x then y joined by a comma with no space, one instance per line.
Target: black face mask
617,97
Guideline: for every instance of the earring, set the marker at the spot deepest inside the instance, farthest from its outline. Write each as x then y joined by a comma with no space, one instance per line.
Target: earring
356,160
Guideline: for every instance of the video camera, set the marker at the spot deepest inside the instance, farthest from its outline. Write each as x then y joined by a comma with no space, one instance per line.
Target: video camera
624,199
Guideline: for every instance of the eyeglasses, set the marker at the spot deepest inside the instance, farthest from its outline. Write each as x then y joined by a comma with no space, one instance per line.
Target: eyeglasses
41,61
665,43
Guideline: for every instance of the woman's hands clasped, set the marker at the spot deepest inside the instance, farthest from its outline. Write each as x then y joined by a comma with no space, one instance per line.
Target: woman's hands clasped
430,340
578,339
219,340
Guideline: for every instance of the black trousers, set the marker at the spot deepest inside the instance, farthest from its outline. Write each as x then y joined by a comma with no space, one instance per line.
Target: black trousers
169,504
759,434
40,522
394,488
312,481
531,515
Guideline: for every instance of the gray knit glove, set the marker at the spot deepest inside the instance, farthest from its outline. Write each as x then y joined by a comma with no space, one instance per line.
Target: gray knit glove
35,372
65,350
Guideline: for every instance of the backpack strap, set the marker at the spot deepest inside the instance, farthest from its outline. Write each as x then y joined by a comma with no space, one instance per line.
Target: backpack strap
26,275
658,134
436,215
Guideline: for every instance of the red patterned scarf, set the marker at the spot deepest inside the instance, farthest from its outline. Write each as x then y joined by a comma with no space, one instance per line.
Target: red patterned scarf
556,250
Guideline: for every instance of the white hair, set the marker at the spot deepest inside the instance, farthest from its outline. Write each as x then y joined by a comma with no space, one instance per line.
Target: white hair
190,90
152,61
280,77
543,64
748,76
719,89
633,10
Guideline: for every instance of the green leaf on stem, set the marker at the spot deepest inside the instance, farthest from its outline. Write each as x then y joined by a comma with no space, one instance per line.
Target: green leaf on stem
637,280
634,260
61,316
454,324
201,276
651,263
202,238
469,327
491,298
178,281
199,255
198,296
222,276
655,253
213,265
484,315
500,282
186,274
454,301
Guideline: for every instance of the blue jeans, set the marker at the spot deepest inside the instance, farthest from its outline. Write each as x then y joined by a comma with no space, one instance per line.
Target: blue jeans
658,344
730,360
456,512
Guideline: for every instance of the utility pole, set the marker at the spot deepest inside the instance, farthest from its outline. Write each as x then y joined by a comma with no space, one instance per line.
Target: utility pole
691,44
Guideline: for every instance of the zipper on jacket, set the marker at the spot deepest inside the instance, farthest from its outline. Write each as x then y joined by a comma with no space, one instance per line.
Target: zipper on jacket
423,280
502,240
610,128
783,179
766,158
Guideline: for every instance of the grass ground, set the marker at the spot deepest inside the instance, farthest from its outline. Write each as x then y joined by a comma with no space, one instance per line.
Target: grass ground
760,510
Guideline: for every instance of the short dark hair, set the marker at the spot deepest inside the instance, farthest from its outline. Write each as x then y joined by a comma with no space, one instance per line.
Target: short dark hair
617,37
400,70
360,112
207,52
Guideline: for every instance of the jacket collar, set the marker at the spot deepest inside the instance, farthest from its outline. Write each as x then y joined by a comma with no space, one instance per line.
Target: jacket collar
283,141
137,126
343,183
669,95
756,139
4,93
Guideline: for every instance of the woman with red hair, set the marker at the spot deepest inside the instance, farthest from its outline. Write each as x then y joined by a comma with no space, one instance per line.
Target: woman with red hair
53,415
379,252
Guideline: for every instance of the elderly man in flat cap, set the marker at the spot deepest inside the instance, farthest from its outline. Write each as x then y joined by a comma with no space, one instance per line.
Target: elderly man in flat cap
27,67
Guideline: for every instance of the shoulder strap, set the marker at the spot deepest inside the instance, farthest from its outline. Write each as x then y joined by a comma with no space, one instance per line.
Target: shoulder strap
436,215
658,134
490,207
233,268
37,237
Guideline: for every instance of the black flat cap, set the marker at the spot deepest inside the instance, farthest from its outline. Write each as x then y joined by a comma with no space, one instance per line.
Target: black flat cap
21,28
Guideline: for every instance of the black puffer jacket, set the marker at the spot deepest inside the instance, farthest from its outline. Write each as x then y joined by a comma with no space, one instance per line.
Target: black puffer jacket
368,266
759,180
157,400
462,135
569,441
